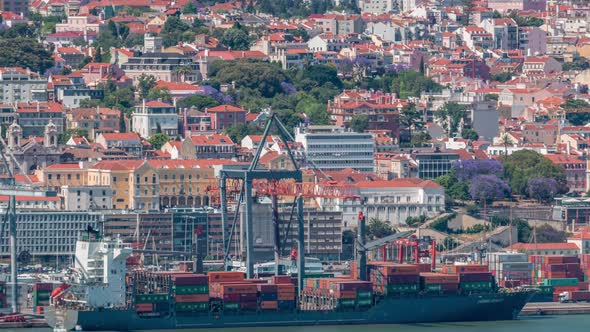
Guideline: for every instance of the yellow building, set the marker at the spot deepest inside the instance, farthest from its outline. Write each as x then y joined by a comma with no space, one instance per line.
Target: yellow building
58,175
135,183
184,183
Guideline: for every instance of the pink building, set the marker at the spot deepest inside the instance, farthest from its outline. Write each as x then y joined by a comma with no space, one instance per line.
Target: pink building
505,5
225,116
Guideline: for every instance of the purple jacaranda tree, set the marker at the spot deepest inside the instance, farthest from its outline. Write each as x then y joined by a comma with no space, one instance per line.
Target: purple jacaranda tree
542,189
288,88
466,170
488,188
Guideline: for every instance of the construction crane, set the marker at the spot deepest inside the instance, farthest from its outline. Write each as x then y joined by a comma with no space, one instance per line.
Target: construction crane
8,187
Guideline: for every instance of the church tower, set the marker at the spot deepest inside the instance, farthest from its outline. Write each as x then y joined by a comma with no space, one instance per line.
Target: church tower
15,134
50,139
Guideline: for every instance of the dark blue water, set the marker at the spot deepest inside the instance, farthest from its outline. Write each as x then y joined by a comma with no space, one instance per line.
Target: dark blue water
570,323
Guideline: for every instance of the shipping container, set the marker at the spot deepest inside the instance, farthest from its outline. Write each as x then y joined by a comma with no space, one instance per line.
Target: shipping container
195,307
151,298
225,276
269,305
188,298
561,282
144,307
193,289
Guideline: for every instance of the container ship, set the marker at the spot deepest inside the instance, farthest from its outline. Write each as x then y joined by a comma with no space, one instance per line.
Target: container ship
103,295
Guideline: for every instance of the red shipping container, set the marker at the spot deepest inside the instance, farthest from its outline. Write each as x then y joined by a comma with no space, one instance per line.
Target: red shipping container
269,305
230,298
238,289
285,296
187,298
42,286
285,288
583,285
225,276
189,280
472,277
257,281
280,279
580,295
268,288
248,305
439,278
144,307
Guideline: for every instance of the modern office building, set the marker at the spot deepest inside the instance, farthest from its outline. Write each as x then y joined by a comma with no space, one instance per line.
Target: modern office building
332,148
434,164
48,235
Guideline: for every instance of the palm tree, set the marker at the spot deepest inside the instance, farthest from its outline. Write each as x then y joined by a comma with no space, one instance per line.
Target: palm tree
182,71
505,140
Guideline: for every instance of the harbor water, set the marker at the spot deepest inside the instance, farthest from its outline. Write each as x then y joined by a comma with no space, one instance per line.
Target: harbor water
569,323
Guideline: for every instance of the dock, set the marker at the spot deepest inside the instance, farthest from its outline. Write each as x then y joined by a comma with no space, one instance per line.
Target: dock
555,308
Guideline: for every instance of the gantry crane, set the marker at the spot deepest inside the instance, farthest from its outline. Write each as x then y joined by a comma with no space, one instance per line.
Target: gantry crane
8,187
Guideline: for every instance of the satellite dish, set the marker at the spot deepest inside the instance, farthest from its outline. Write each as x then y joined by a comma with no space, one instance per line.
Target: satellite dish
24,257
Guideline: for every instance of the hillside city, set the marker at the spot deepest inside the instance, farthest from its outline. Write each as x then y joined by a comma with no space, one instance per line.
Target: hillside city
464,120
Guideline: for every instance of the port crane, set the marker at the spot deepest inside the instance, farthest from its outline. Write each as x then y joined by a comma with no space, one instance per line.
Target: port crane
9,187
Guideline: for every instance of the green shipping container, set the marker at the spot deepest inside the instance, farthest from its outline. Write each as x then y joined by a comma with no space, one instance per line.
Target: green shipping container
151,298
432,287
364,302
476,285
561,282
363,294
346,303
195,289
194,306
231,305
402,288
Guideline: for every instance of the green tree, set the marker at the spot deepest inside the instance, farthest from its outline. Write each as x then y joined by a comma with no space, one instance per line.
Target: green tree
236,39
410,119
502,77
240,130
359,123
578,63
522,166
450,116
67,134
189,8
301,33
314,110
454,189
197,101
25,53
158,140
145,83
159,93
576,118
261,77
377,229
470,134
468,7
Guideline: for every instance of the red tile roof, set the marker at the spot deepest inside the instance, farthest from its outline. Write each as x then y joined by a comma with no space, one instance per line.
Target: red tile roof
215,139
544,246
225,108
121,136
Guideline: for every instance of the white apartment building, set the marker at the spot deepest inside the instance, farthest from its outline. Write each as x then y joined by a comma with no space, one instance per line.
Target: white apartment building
331,148
21,85
149,116
392,201
86,198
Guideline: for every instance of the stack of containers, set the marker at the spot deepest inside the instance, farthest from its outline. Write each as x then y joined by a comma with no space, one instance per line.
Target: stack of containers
556,267
472,277
585,266
3,302
286,296
392,279
267,297
510,267
235,295
561,285
335,293
191,292
147,303
439,283
41,294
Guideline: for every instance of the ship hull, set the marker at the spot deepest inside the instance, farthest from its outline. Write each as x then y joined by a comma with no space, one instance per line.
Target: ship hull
486,307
